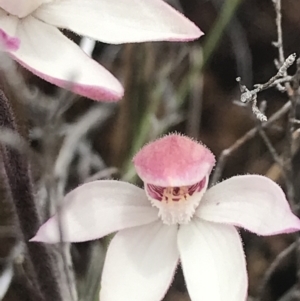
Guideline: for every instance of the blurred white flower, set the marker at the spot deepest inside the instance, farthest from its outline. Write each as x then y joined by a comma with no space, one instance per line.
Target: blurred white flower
29,32
5,280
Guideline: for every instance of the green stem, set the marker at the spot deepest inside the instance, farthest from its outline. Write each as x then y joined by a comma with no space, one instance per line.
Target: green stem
228,10
210,45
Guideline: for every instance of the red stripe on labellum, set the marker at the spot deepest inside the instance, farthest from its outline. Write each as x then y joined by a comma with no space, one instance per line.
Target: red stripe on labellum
174,194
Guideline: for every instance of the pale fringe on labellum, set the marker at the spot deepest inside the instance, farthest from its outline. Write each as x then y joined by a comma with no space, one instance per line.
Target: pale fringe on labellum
29,32
174,218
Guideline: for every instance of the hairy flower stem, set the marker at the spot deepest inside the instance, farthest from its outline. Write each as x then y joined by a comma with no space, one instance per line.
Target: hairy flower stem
20,187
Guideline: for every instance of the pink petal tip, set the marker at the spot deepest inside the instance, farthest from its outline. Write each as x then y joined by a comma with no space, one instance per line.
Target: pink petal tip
8,43
173,160
97,93
34,239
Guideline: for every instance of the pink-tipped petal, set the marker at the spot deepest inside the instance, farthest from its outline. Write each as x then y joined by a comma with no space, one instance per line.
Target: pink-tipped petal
213,262
20,8
253,202
115,21
8,43
8,27
96,209
173,160
140,264
46,52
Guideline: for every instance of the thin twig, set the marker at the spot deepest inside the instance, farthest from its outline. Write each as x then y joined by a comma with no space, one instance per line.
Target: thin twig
266,139
105,173
279,42
250,134
270,147
73,136
250,96
92,118
273,268
291,295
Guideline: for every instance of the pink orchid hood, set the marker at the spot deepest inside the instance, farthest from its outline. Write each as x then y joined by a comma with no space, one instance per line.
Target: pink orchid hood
174,160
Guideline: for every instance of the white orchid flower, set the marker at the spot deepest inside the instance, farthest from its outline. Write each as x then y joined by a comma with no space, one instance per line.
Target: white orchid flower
175,218
29,32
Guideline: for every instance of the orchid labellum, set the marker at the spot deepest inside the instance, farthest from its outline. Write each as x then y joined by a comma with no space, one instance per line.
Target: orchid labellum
29,32
175,218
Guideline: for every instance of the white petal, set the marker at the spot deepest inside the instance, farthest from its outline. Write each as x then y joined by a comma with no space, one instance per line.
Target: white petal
46,52
213,261
96,209
20,8
87,45
253,202
5,280
140,263
115,21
